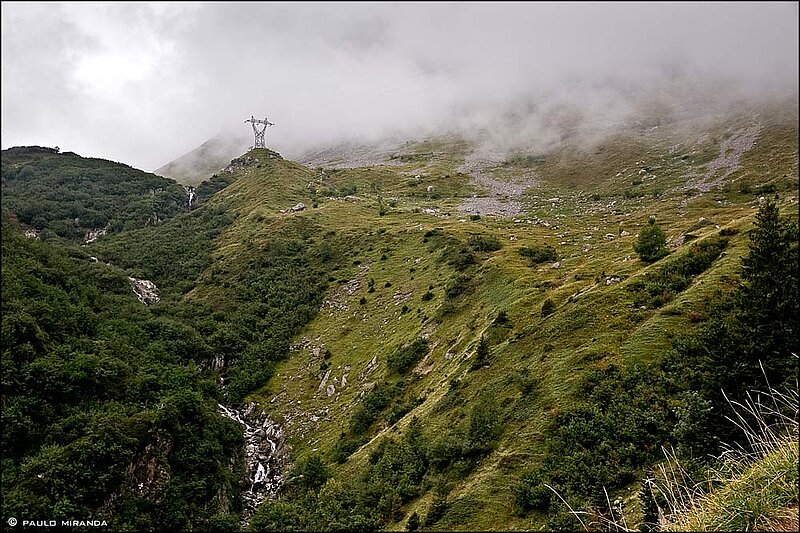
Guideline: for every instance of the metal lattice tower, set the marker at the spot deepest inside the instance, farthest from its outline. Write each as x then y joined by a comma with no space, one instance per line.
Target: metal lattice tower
259,135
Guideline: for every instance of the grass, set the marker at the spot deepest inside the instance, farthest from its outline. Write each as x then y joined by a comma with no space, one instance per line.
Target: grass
594,323
753,487
747,488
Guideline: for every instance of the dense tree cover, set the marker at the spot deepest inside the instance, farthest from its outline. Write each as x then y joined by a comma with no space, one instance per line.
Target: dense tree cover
398,470
749,342
751,339
105,409
277,291
64,194
105,414
213,185
278,288
173,254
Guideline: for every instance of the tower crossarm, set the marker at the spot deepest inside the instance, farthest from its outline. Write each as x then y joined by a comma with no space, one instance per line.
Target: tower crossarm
259,134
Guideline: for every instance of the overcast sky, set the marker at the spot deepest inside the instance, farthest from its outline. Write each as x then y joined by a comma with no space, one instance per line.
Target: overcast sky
145,83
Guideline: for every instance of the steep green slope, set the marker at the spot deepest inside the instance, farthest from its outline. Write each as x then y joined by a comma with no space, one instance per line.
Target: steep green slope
69,196
105,413
420,269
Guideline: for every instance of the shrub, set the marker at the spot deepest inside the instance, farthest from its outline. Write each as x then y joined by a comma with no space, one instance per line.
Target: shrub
548,307
484,243
413,522
652,242
531,492
459,258
539,254
481,355
660,287
458,286
403,358
345,447
502,318
309,473
348,189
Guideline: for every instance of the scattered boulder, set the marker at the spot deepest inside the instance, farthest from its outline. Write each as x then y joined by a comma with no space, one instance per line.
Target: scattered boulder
324,380
299,207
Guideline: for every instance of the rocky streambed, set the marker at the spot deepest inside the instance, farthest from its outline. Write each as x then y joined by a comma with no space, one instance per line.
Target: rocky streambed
266,458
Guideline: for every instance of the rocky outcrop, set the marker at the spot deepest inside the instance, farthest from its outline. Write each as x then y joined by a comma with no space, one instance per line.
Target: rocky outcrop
266,457
503,197
145,290
93,234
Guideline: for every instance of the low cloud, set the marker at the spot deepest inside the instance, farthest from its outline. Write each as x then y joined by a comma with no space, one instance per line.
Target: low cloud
145,83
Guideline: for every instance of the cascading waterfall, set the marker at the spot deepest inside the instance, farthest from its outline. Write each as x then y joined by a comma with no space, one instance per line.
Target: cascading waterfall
265,457
190,194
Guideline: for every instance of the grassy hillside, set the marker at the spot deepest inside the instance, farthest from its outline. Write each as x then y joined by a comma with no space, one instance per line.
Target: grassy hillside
442,334
420,264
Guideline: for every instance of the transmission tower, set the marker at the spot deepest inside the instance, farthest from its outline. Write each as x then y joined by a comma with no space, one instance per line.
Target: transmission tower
259,142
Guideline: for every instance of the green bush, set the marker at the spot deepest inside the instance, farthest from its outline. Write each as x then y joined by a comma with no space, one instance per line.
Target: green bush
652,242
481,355
548,307
459,257
413,522
539,254
309,473
458,286
531,492
660,287
406,356
484,243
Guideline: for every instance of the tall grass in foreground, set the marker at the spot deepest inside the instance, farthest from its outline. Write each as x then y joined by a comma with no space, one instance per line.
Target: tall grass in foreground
751,487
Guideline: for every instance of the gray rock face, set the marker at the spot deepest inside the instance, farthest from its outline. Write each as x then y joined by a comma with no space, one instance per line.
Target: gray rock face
93,234
266,458
145,290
